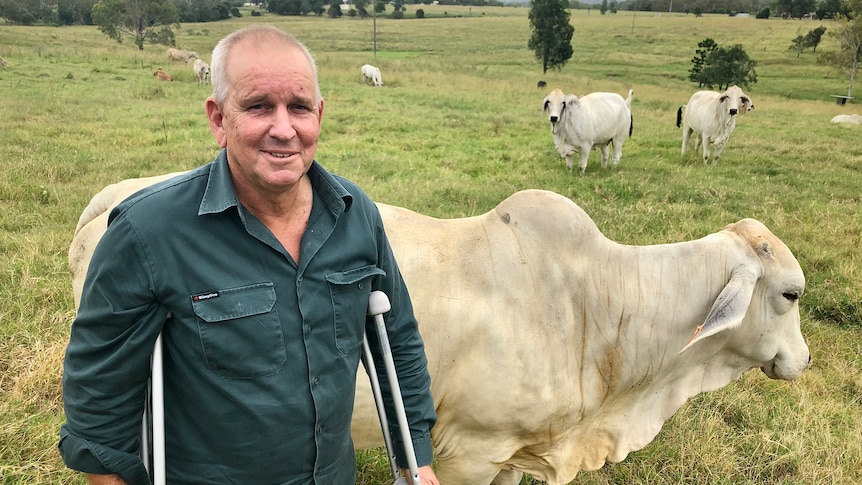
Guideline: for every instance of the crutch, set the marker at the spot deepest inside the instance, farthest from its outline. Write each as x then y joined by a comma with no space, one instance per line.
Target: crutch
154,408
378,304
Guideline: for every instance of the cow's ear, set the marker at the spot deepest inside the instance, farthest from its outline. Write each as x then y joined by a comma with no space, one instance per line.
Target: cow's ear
729,308
545,105
722,99
572,100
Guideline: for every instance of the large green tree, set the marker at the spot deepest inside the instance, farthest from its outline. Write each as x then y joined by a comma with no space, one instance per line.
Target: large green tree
145,20
718,66
552,33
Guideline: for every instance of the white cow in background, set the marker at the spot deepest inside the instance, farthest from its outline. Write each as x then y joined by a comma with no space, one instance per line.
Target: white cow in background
202,71
553,349
592,121
853,119
371,74
181,55
712,116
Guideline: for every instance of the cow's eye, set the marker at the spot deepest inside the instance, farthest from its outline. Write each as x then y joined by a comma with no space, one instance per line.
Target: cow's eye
792,296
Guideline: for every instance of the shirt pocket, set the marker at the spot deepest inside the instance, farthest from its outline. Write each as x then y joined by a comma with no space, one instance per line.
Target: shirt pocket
349,291
240,331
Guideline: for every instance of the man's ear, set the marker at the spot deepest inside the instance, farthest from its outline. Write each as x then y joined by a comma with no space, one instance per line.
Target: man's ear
215,115
320,112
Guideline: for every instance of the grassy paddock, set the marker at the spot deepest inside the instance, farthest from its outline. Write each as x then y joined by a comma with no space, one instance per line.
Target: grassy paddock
457,128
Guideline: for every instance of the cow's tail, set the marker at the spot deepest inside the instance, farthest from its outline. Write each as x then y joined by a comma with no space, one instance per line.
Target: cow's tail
631,124
679,116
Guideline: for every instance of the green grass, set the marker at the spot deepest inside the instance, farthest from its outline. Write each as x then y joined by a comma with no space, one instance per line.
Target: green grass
457,128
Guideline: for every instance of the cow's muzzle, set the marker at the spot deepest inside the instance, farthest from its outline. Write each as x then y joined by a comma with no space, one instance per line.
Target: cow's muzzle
733,111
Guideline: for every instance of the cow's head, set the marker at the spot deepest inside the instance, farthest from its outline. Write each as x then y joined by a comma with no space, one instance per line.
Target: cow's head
555,105
734,101
761,302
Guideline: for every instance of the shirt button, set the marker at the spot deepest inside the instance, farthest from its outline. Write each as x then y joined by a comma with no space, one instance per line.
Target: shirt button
308,329
316,381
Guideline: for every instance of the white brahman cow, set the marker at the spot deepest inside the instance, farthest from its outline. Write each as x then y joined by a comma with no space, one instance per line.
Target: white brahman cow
712,116
202,71
553,349
371,74
592,121
853,119
181,55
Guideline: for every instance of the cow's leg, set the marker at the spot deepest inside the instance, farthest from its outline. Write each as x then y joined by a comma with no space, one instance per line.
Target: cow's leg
618,151
718,148
507,477
605,154
705,142
585,154
686,133
570,164
467,470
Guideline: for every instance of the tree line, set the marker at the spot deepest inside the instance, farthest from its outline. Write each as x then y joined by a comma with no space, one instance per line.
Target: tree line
821,9
80,12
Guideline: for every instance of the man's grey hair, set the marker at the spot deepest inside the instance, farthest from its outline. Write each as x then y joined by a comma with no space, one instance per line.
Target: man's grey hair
256,33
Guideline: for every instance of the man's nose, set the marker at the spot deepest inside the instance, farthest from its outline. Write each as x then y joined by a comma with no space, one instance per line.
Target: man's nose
282,124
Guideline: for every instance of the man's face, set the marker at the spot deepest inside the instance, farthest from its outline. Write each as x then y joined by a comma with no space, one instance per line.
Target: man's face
270,122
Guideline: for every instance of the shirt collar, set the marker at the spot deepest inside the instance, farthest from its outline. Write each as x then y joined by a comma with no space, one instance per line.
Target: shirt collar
220,194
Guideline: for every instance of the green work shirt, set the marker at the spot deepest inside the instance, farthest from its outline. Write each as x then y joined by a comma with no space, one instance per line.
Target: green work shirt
260,352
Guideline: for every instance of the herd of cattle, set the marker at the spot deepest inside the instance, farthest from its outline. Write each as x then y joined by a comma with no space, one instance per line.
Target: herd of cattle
200,68
597,120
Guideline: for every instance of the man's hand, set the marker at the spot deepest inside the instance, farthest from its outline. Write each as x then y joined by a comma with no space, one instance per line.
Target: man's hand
426,475
106,479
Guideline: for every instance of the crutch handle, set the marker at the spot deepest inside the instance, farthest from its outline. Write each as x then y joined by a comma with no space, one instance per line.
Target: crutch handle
378,303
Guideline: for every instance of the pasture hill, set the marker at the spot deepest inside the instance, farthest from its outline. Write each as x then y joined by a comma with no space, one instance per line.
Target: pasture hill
456,128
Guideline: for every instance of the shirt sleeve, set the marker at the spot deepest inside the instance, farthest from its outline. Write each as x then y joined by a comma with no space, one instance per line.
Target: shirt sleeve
411,364
107,360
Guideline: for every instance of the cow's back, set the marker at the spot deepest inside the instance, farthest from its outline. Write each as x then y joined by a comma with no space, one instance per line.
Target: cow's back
701,112
94,221
609,115
460,273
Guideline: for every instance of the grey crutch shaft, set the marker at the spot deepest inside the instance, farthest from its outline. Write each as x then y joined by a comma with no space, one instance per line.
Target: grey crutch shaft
378,304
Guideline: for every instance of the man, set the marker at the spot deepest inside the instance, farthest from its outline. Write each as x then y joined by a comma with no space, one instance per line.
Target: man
257,269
